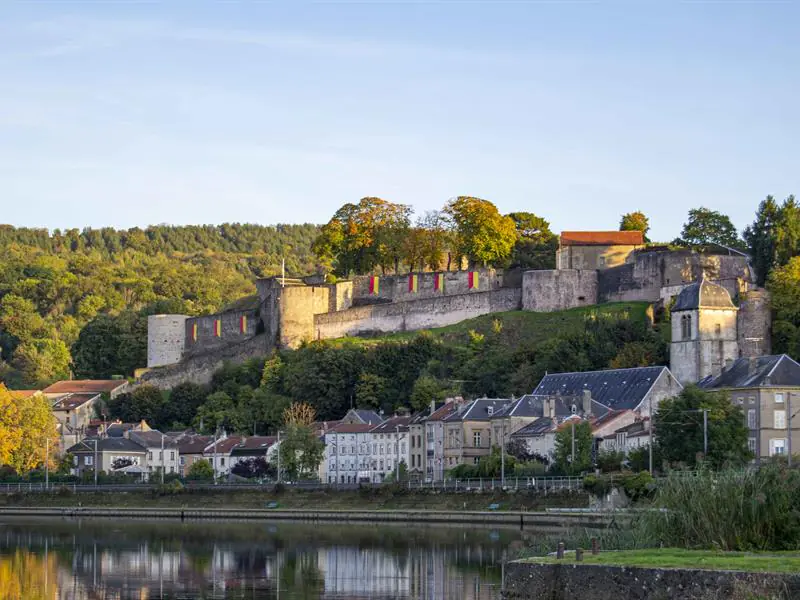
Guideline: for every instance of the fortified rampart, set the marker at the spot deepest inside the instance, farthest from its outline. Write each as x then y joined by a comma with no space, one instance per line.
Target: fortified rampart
291,311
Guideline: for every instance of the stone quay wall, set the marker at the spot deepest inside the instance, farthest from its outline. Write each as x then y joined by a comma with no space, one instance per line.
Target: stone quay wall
571,581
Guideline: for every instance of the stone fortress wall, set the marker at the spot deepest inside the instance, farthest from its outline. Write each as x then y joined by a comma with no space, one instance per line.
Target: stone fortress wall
291,311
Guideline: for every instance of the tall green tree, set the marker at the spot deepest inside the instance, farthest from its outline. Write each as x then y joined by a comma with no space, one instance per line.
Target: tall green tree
678,425
111,345
536,245
761,238
787,235
483,235
706,226
301,452
784,287
635,221
581,433
182,404
144,403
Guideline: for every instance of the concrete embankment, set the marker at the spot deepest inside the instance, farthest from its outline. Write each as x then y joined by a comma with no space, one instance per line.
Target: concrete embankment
569,581
539,520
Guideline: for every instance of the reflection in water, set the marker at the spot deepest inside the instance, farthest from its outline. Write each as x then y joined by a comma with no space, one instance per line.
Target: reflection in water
82,560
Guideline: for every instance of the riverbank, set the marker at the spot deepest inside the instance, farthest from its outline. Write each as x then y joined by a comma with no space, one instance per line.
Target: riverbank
543,521
659,573
383,498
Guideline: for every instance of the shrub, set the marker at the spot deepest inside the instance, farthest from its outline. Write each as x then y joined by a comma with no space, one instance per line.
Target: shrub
597,485
638,485
609,461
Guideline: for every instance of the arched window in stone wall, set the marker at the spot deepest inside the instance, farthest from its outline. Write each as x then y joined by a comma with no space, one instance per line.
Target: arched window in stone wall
686,327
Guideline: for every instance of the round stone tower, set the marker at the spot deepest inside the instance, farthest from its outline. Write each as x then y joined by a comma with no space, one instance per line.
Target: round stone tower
166,339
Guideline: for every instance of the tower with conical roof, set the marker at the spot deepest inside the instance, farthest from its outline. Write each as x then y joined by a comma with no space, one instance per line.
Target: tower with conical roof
704,332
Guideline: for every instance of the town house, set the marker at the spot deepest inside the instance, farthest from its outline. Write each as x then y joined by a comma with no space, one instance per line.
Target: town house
389,447
468,431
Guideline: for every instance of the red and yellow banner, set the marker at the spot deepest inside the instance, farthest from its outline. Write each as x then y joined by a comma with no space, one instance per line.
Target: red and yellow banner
374,285
218,328
243,324
473,280
438,282
413,282
194,332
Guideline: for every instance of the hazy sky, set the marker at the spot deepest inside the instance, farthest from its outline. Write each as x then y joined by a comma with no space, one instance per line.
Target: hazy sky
135,113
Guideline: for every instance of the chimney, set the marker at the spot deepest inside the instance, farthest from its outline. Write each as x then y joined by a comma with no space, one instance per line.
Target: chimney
752,365
728,365
587,404
433,406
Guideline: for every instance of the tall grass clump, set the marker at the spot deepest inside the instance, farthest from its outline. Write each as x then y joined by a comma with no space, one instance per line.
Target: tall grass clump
744,510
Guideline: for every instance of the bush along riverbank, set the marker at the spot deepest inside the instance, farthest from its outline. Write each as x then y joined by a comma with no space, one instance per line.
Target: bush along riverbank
743,522
387,497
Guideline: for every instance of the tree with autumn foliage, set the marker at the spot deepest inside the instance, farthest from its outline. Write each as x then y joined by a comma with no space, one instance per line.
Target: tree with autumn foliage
635,221
26,425
299,414
363,236
483,235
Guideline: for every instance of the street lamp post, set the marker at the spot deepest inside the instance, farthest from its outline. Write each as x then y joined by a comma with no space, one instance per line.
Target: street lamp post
502,453
95,462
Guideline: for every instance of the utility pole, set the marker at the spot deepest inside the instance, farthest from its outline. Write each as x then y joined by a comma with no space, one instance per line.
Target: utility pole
279,455
163,462
573,442
95,462
789,416
503,453
214,456
705,433
47,463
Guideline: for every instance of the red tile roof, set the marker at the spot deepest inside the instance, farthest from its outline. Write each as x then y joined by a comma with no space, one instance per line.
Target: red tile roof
23,393
602,238
83,386
223,446
444,411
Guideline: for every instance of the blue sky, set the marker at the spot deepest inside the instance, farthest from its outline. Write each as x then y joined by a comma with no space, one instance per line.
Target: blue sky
136,113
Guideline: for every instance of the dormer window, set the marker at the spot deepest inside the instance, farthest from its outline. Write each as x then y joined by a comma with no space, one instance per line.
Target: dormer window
490,411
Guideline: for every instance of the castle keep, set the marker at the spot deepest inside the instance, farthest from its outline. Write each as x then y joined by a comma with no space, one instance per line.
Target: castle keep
593,267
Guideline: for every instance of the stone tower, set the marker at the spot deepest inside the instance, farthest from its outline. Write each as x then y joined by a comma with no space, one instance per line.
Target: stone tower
704,332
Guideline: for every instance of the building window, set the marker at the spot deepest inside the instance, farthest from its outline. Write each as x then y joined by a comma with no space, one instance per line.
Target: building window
89,460
476,439
779,398
751,418
686,327
751,444
183,460
777,447
780,419
222,461
751,400
172,455
476,460
490,410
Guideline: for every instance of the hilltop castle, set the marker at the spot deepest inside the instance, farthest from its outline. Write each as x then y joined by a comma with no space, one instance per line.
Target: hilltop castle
708,328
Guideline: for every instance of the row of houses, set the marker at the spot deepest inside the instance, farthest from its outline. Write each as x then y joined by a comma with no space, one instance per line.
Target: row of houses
364,446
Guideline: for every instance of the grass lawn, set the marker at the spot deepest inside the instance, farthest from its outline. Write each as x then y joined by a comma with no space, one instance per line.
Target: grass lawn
675,558
521,326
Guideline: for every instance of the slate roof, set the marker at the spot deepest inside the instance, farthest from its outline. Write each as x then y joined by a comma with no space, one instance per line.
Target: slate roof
80,386
602,238
107,445
481,409
194,444
117,430
223,446
441,413
616,389
73,401
538,427
368,416
351,428
393,425
703,294
151,439
256,445
777,370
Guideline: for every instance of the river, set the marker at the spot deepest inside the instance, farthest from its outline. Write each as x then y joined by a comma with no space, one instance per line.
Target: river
146,560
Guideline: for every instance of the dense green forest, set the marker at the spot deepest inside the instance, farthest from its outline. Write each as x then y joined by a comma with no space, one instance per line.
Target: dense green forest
495,355
68,297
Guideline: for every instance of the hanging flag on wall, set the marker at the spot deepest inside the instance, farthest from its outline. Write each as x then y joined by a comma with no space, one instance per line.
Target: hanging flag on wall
243,324
374,285
413,282
194,332
473,280
218,328
438,282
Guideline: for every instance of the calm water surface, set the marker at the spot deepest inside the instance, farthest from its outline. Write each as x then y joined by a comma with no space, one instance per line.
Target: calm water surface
99,559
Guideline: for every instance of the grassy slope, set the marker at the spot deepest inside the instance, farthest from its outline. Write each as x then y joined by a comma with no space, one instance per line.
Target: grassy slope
673,558
519,325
